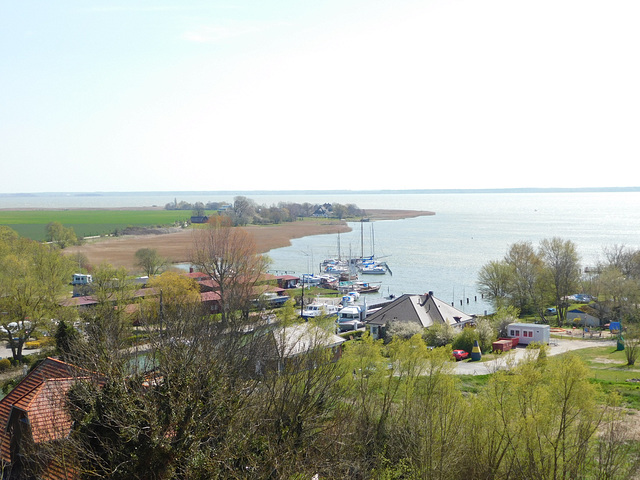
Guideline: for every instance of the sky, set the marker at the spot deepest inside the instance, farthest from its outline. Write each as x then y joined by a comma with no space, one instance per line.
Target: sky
180,95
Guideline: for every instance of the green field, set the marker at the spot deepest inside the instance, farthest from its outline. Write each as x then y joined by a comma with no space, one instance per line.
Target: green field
610,370
32,223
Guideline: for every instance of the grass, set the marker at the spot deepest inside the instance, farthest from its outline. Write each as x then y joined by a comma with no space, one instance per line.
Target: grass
32,223
472,383
609,369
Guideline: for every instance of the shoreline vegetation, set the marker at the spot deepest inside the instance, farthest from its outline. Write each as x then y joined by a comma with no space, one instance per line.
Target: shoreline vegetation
176,246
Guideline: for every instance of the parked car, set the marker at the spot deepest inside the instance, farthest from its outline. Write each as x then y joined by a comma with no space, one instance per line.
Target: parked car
460,355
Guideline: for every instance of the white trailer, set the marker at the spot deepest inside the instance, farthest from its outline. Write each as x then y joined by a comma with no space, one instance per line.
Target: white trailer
530,332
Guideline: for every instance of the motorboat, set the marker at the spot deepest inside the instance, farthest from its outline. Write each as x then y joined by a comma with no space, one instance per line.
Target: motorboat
317,309
350,318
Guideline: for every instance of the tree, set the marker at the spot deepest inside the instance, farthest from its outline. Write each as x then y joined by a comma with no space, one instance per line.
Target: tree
228,256
562,264
150,261
67,339
107,326
32,277
244,209
62,236
198,209
494,282
527,269
631,343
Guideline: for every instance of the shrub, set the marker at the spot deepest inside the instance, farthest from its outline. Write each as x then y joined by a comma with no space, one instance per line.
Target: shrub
404,330
464,340
32,345
355,334
5,364
439,335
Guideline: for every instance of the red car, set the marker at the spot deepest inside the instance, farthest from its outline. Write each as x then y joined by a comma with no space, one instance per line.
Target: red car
460,354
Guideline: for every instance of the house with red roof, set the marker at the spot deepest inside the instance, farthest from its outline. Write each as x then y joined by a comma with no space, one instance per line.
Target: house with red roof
33,416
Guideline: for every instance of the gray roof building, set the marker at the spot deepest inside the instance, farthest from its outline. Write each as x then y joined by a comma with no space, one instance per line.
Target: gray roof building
425,310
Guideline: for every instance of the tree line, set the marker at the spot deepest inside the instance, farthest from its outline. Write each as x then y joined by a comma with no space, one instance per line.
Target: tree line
531,279
244,211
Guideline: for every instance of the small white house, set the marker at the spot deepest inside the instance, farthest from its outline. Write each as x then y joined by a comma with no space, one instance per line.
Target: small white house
529,332
81,279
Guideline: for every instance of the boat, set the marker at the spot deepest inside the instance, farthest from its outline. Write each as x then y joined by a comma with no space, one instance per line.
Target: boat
359,286
374,269
310,279
350,298
318,309
369,265
350,318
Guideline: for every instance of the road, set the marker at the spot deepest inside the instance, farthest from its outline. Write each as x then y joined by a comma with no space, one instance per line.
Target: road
556,347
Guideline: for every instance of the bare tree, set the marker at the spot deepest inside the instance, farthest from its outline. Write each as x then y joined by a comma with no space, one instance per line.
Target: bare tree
228,256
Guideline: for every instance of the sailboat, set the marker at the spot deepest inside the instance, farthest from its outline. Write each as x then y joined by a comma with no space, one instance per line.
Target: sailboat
369,265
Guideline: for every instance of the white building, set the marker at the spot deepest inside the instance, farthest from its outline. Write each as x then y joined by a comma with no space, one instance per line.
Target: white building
530,332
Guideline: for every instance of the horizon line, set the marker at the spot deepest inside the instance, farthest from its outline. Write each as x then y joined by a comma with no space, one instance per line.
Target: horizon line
334,192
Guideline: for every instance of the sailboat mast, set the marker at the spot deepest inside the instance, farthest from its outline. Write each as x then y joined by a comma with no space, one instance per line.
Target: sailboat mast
361,239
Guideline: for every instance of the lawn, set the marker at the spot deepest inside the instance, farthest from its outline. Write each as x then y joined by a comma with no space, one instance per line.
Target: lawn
609,369
32,223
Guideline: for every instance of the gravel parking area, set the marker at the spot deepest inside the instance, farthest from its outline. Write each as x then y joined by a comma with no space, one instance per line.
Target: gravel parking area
556,347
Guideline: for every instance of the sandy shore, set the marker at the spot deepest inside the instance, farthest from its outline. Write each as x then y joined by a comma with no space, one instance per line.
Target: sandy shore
119,251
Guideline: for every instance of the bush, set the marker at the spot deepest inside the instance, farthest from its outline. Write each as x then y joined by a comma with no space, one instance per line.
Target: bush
404,330
439,335
32,345
355,334
5,364
465,339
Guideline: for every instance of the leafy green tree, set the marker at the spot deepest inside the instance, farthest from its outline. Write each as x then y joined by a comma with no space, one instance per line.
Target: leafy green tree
439,335
150,261
60,235
536,421
486,332
32,278
494,282
562,264
107,326
465,339
631,342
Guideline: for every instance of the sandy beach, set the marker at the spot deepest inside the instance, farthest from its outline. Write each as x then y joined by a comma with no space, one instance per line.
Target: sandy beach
176,246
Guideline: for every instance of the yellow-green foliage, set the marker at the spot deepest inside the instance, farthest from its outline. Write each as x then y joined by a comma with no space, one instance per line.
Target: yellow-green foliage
5,364
32,345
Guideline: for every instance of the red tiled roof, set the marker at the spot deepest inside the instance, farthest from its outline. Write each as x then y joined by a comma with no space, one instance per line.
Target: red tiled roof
197,275
287,277
209,284
210,296
40,394
79,301
45,405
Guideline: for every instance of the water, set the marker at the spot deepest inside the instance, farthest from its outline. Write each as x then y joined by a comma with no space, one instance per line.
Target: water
441,253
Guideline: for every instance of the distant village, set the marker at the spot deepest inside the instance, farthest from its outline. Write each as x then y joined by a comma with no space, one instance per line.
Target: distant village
245,211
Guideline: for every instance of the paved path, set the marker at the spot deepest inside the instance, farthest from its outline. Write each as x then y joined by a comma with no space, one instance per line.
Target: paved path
556,347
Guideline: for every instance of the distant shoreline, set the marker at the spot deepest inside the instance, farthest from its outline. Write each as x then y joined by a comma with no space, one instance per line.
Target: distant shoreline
324,192
177,246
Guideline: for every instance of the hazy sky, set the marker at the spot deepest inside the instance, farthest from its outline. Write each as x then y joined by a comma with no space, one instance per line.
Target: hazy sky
332,94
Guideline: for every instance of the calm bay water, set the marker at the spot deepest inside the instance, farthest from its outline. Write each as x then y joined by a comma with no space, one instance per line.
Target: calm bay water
441,253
